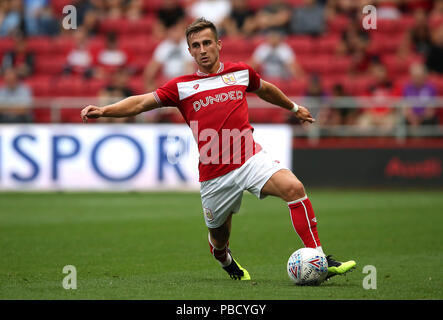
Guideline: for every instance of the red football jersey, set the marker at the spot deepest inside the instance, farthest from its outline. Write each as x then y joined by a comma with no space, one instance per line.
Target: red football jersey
215,108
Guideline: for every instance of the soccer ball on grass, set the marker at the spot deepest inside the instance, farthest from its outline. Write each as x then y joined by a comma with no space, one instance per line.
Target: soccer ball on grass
307,267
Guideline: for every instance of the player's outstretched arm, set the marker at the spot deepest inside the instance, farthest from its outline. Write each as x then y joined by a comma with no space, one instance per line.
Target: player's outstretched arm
272,94
128,107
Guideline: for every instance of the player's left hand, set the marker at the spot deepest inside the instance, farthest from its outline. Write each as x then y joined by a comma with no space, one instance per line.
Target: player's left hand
304,115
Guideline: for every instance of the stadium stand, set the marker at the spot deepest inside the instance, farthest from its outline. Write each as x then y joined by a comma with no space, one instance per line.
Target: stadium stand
332,56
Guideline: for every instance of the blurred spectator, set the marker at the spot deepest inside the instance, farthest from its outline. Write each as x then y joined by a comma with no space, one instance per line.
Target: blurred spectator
134,10
212,10
11,17
274,16
355,44
388,9
308,19
276,59
434,61
241,20
408,6
114,9
379,112
89,13
170,14
15,99
111,57
116,90
420,34
39,18
348,8
171,58
343,107
80,60
315,95
19,58
436,14
420,93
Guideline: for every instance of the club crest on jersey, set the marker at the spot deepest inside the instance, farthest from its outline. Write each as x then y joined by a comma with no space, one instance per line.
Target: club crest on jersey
229,78
196,86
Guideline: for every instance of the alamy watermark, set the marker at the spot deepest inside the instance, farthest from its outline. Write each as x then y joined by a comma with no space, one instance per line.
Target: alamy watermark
70,281
370,281
369,21
70,20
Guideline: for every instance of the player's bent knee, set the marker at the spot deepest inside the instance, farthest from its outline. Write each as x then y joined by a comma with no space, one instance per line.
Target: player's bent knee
294,191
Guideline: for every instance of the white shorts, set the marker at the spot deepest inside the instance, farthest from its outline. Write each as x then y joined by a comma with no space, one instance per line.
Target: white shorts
222,196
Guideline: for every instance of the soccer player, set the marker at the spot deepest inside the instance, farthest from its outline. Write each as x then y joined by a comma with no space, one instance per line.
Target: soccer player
213,103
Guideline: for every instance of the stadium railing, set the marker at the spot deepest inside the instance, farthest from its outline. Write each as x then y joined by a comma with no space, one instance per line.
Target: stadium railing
67,110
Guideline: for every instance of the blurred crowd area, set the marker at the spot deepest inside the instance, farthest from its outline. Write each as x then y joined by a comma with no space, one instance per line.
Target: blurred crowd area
111,49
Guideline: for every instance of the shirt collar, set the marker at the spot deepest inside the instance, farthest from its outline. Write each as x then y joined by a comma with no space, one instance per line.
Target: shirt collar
220,69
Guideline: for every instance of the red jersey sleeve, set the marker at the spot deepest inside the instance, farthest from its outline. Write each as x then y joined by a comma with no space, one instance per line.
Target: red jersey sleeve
254,80
167,95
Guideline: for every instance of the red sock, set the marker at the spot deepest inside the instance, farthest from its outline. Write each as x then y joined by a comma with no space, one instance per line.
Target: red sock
220,254
304,222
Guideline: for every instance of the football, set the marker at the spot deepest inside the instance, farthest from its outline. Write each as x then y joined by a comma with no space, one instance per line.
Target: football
307,267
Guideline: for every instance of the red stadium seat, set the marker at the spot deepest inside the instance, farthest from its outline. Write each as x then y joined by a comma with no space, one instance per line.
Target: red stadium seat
49,64
326,44
68,87
41,85
6,44
152,6
296,3
300,44
40,45
291,87
234,57
139,45
337,24
329,81
257,4
42,114
295,87
389,26
236,45
360,84
437,81
382,43
123,26
267,115
118,26
91,88
396,66
339,65
142,26
70,115
137,86
58,5
62,45
316,64
435,22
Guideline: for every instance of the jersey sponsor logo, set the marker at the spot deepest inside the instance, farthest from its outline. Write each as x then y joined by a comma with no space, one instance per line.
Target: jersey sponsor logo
190,88
218,98
229,79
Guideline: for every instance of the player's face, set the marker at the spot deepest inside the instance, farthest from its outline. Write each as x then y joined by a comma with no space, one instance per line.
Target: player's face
204,48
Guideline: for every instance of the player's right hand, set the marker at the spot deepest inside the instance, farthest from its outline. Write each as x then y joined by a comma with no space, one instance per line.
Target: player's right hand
91,112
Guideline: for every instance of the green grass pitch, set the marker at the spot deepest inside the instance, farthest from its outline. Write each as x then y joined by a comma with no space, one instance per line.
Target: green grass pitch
154,246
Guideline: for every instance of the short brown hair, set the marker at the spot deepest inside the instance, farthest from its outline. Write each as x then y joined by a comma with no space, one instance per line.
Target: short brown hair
199,25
